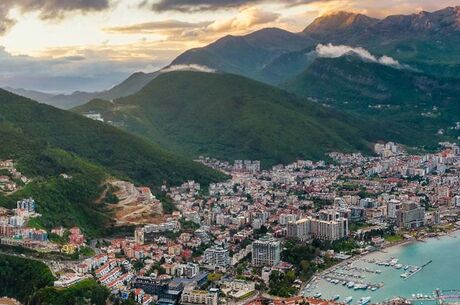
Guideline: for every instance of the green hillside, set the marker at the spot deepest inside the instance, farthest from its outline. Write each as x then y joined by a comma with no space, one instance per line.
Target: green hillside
83,293
232,117
20,278
48,142
416,100
118,152
31,282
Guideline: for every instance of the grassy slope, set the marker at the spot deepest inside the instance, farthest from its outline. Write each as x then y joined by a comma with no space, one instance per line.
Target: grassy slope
351,84
231,117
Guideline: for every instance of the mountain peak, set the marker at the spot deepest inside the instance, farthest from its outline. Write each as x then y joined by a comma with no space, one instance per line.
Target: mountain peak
445,20
340,21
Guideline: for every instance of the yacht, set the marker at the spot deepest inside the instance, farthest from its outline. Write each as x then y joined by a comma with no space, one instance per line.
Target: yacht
336,298
317,295
364,300
348,300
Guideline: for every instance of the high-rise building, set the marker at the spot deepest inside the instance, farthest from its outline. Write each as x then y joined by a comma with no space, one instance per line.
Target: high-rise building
393,206
217,257
410,216
324,229
266,252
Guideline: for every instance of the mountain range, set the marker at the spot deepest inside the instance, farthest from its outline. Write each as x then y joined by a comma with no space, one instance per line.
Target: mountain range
131,85
427,41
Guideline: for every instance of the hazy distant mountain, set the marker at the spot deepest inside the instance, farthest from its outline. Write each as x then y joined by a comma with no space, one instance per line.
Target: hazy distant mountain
131,85
233,117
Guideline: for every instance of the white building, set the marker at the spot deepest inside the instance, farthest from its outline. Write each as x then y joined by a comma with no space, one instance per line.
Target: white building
311,228
217,257
266,252
191,296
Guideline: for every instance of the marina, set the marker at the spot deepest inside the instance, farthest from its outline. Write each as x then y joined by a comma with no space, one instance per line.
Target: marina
421,272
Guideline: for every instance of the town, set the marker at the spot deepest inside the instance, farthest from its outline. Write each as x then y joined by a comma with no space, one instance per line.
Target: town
261,236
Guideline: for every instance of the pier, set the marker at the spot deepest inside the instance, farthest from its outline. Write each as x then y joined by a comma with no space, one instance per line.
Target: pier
438,295
417,270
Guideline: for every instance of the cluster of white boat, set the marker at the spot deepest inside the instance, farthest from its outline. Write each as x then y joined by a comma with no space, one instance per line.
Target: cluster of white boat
347,300
351,284
393,262
344,275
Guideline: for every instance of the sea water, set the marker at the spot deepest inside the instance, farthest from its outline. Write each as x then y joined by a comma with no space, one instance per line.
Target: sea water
442,273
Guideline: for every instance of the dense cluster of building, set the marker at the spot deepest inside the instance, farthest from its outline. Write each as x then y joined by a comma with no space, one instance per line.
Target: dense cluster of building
14,229
209,246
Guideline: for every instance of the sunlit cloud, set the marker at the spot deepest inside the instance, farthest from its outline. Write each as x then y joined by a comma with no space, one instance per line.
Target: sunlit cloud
156,26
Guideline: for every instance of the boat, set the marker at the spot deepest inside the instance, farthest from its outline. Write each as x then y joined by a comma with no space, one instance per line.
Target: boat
335,298
364,300
374,288
348,300
360,286
317,295
398,266
406,267
350,284
404,275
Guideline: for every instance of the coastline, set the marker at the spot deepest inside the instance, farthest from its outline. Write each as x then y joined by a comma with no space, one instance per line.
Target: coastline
382,250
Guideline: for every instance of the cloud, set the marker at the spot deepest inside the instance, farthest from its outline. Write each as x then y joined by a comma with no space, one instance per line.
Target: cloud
195,5
192,67
249,18
335,51
246,19
48,9
156,26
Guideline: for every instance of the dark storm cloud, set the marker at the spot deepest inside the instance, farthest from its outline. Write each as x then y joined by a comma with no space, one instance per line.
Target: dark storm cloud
48,9
195,5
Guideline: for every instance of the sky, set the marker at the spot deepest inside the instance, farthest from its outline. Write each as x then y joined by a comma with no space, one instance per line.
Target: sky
91,45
